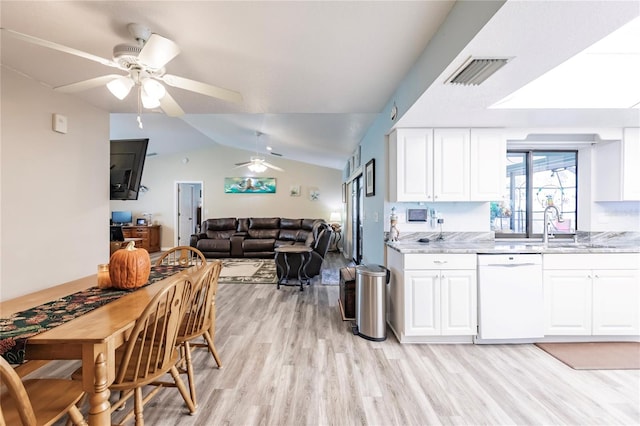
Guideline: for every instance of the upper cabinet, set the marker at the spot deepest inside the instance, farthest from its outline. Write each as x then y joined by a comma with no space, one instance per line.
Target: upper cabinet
446,165
617,175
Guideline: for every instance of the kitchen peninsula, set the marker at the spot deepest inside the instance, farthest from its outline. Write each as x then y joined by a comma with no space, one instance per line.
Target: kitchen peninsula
588,290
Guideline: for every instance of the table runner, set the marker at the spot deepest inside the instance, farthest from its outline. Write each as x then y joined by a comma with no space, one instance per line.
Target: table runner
17,328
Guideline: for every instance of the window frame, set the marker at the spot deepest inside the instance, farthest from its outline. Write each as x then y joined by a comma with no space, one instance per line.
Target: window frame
528,234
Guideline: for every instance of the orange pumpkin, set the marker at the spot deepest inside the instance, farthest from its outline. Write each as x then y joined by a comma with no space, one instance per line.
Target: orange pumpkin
129,267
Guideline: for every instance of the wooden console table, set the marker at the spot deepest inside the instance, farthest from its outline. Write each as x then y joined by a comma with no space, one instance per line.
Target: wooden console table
150,236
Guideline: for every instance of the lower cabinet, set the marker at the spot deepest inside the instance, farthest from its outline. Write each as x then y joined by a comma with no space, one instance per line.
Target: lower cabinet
592,294
432,297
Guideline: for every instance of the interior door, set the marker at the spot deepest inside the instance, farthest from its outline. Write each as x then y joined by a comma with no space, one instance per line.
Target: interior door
189,196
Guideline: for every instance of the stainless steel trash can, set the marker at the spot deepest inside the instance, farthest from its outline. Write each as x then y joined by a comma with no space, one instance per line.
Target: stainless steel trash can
371,302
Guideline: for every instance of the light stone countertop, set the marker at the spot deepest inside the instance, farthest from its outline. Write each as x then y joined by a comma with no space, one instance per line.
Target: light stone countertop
504,247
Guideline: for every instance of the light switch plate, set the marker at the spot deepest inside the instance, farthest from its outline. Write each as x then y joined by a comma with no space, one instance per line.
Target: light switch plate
59,123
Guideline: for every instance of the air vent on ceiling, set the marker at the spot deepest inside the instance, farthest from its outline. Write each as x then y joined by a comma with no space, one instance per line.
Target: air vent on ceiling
476,70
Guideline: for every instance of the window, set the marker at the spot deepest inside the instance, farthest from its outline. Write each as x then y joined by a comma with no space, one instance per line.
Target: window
535,180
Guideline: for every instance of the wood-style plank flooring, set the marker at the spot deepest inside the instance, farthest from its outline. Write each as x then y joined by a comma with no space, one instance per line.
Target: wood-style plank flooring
289,359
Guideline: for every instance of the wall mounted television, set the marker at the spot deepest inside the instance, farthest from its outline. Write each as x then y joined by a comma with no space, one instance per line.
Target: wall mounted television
127,163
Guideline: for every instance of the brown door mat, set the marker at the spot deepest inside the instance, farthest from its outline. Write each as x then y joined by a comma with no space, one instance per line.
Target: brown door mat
596,355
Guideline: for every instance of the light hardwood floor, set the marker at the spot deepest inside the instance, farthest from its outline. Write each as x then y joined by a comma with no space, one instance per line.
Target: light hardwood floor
289,359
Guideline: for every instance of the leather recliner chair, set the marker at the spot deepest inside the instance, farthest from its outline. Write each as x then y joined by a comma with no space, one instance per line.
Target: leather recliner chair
320,247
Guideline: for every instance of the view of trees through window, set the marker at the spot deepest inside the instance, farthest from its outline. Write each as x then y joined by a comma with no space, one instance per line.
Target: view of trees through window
536,180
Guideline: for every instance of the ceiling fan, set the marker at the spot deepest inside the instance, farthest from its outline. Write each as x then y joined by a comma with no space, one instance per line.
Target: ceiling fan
144,61
256,163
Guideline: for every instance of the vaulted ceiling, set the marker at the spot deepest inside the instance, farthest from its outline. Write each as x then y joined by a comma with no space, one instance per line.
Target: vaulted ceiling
313,75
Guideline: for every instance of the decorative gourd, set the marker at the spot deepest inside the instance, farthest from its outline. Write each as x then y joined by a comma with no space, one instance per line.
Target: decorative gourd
129,267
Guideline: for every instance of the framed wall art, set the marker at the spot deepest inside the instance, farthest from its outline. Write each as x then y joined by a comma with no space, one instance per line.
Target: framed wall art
249,185
294,191
370,178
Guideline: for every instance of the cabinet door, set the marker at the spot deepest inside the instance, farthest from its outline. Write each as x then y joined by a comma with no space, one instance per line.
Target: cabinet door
451,165
458,302
488,153
567,299
422,301
616,301
410,165
154,239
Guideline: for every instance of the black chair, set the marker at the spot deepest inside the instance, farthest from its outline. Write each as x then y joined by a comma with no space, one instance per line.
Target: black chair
320,245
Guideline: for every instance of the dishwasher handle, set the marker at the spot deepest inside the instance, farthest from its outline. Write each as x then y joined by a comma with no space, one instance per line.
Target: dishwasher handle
510,265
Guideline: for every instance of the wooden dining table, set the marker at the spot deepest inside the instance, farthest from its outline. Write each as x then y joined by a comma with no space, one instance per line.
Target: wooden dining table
84,338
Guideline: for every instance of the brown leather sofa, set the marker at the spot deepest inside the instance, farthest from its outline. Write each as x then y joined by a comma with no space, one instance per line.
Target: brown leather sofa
258,237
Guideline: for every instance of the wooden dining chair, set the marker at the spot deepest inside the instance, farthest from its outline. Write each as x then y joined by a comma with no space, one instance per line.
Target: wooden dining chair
37,401
183,256
199,321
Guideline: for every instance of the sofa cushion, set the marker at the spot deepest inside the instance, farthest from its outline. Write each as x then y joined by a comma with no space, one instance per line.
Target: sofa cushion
303,236
288,234
264,233
307,224
211,245
259,244
220,228
290,223
264,223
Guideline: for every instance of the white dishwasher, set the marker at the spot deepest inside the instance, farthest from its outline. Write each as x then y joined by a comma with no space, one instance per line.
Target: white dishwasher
510,298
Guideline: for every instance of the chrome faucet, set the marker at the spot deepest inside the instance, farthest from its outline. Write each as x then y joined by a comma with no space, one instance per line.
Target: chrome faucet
547,222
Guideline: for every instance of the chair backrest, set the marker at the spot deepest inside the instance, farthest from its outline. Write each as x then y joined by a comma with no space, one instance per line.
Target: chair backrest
18,393
198,316
183,256
324,239
150,349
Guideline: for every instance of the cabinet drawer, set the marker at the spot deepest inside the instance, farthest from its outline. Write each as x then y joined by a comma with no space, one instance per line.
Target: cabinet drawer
591,261
439,261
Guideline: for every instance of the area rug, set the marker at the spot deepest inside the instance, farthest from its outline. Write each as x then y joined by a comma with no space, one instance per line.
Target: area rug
596,356
248,271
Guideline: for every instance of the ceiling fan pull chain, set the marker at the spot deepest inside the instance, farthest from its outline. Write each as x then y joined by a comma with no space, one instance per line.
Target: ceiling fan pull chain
139,119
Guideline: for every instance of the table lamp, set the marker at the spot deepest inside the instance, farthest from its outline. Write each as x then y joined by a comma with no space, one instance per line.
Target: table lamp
335,218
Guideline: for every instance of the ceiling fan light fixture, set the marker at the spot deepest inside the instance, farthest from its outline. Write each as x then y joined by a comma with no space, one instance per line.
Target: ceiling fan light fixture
120,87
153,88
149,102
257,167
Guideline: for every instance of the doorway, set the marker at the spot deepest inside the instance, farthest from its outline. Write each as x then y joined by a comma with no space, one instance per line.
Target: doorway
188,211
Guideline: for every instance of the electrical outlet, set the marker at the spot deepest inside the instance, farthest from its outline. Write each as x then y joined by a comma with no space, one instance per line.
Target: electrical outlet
440,221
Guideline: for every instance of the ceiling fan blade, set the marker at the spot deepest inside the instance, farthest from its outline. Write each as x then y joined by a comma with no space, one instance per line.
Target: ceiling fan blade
272,166
86,84
246,163
158,51
202,88
55,46
170,106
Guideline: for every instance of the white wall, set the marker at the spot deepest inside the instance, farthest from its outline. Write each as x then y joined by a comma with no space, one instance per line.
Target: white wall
54,188
211,166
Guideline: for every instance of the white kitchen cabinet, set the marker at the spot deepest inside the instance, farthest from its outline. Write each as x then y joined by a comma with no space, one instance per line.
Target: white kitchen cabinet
592,294
617,175
432,297
410,165
446,165
451,165
488,164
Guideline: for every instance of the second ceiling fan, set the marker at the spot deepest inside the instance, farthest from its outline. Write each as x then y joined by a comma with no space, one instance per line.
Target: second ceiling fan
144,61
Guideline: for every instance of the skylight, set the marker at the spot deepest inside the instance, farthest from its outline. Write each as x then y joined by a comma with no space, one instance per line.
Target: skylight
605,75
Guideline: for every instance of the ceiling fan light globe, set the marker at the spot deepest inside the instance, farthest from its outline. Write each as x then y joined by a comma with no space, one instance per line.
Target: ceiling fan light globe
149,102
257,168
120,87
153,88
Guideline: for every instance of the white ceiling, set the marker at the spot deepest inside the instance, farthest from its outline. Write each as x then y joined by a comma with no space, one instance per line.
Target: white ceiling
314,75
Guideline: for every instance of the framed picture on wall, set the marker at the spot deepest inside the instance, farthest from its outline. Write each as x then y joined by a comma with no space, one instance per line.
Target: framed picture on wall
344,192
370,178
